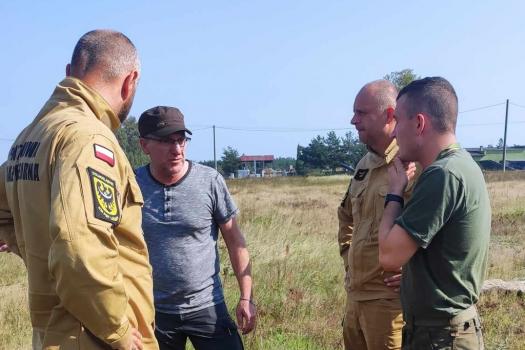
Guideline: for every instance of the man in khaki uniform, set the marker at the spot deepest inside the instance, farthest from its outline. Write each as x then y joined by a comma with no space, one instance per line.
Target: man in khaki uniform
373,317
71,208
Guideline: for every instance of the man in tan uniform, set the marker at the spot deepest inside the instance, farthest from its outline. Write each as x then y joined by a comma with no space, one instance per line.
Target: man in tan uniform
373,317
71,208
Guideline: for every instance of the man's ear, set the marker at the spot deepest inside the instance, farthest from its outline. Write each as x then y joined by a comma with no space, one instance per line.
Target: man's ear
143,145
129,84
421,121
389,115
68,69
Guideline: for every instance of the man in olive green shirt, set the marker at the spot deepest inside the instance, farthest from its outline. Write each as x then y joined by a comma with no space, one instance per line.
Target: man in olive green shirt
442,235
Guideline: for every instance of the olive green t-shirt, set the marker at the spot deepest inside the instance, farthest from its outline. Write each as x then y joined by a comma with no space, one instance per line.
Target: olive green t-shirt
449,217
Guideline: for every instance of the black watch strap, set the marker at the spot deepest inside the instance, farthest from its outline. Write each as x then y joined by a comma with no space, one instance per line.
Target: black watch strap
394,198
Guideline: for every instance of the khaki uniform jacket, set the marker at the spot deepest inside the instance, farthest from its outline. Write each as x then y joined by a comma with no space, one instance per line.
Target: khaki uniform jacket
69,191
359,216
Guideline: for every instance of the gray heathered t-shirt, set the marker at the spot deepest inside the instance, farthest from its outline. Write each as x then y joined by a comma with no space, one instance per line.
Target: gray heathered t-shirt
180,224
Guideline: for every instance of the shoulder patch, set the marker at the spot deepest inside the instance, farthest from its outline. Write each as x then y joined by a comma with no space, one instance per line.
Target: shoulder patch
104,197
360,174
104,154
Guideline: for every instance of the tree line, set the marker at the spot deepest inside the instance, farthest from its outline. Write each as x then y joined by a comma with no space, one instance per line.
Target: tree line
327,154
324,154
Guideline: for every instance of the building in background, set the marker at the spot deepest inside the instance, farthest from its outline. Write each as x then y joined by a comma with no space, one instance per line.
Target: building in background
257,163
491,158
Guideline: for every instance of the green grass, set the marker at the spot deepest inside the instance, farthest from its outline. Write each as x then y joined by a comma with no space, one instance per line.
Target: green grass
503,320
291,229
15,331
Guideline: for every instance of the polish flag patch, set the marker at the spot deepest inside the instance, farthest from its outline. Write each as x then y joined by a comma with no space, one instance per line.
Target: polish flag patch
104,154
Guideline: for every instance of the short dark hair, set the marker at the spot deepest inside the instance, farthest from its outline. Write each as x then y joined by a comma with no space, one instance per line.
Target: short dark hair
110,51
436,97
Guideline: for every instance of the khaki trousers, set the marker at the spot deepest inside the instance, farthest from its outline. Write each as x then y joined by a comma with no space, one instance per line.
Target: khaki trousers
372,324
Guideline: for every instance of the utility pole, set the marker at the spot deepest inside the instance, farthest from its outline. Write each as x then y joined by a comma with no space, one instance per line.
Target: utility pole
214,153
505,136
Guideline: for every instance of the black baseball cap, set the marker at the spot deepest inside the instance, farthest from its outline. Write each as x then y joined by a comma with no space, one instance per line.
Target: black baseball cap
161,121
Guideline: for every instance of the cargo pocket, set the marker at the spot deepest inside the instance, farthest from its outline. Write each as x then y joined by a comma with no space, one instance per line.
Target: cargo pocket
134,195
468,335
380,202
131,219
436,338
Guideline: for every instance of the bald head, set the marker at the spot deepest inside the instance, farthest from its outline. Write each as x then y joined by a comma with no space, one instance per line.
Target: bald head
109,53
374,114
383,92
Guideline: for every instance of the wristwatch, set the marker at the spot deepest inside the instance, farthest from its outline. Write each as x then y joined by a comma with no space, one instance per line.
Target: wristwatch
390,197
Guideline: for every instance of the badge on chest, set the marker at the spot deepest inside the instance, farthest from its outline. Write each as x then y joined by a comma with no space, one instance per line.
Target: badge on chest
360,174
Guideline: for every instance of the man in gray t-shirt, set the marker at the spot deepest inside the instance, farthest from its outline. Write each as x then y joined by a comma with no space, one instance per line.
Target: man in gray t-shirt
185,205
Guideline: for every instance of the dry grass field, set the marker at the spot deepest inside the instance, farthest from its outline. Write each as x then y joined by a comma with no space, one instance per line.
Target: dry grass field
291,227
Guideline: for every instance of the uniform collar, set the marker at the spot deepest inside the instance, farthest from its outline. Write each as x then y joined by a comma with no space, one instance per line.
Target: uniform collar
74,88
448,150
390,153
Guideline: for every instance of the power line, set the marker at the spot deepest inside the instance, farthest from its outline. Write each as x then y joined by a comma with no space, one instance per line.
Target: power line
280,129
517,105
493,123
291,129
199,125
200,129
480,108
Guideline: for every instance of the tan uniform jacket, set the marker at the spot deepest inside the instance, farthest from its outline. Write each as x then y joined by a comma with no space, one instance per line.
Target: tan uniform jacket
359,216
76,209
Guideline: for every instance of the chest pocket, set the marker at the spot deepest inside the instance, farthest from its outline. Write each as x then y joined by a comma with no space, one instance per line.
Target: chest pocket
356,195
380,202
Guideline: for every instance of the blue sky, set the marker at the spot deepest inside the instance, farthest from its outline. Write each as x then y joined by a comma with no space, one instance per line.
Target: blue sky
274,64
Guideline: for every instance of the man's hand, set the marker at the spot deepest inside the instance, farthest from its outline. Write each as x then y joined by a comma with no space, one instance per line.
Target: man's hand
246,316
399,174
394,281
137,339
135,342
4,247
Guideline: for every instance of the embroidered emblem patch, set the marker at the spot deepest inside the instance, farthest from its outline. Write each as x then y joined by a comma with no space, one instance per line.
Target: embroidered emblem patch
104,154
104,197
360,174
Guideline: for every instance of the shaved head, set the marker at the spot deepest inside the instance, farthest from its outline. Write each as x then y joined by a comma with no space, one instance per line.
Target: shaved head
109,52
436,97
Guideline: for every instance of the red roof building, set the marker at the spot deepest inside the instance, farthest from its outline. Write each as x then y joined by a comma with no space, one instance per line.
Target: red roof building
268,158
256,162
